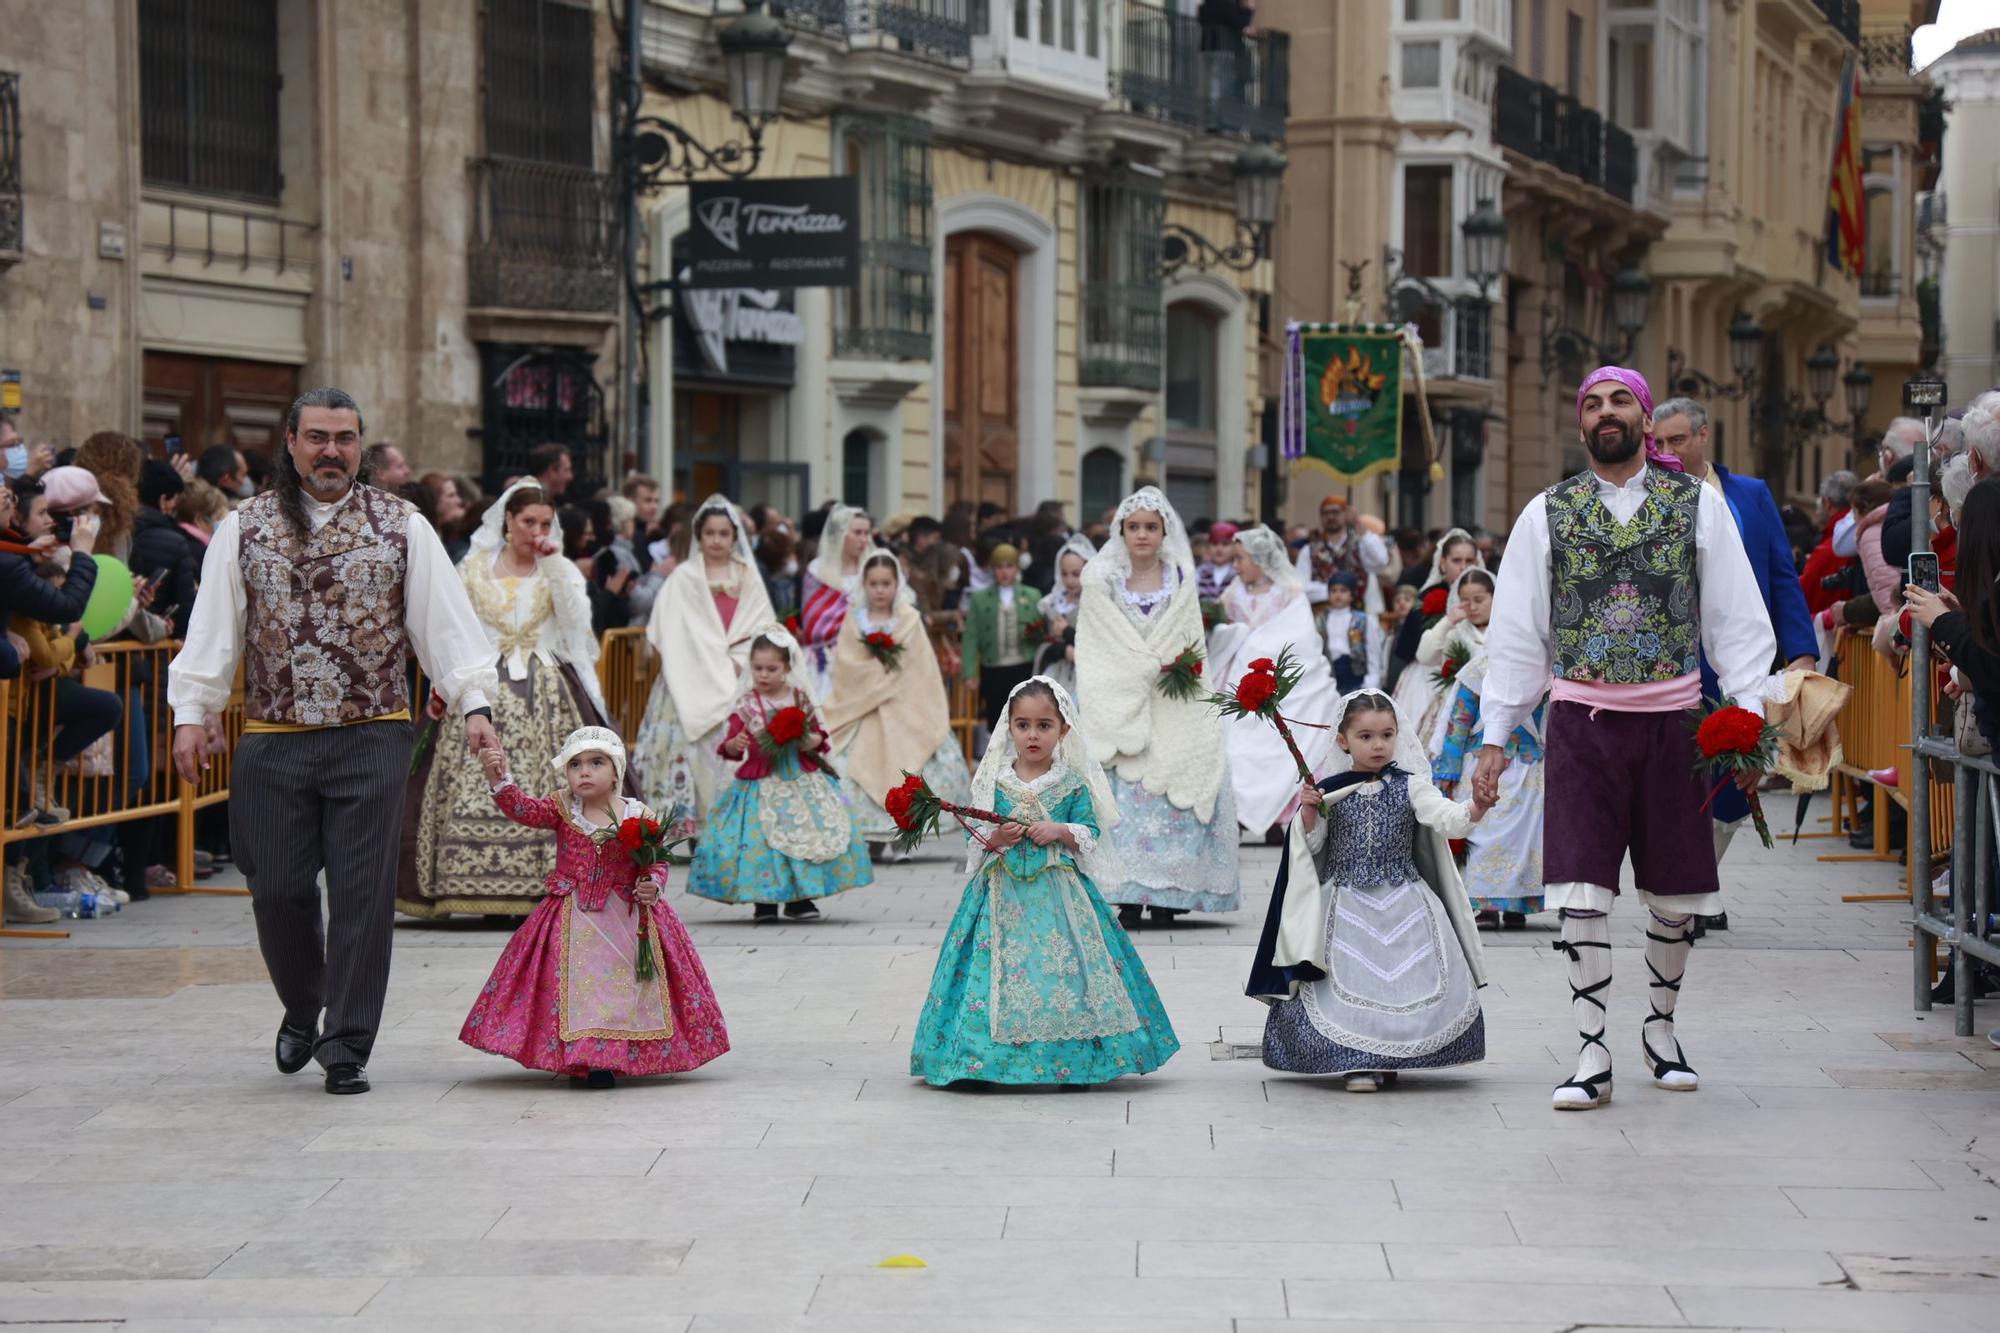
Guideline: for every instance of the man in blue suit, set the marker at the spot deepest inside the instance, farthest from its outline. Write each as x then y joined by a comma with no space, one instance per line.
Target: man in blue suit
1682,429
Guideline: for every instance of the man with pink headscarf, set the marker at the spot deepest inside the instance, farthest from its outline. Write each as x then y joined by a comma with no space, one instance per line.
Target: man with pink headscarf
1615,583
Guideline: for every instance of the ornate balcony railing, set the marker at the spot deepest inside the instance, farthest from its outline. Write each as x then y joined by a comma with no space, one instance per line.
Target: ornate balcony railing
1158,64
1887,55
10,167
1248,83
939,29
1621,163
1536,121
1175,68
1844,15
1472,340
1124,323
545,236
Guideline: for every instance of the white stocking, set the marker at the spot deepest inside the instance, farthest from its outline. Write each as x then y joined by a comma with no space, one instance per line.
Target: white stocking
1667,946
1586,941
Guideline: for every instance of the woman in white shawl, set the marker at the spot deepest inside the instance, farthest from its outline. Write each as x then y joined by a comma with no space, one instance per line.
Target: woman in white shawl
1140,609
1267,612
887,720
459,853
702,624
1056,657
1434,623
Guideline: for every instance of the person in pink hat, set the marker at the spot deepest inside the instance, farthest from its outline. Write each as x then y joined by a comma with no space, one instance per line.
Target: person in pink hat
1216,555
69,489
1615,583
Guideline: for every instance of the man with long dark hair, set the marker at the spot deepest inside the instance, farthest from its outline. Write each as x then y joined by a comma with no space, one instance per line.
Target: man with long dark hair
1617,582
322,587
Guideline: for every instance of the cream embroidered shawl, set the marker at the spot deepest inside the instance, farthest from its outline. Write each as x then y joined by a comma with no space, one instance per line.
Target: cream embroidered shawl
898,719
1171,747
702,662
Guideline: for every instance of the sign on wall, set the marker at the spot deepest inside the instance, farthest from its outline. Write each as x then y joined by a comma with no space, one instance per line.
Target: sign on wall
802,231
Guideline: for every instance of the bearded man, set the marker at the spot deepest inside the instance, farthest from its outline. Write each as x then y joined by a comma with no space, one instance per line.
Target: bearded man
1616,582
1342,546
321,588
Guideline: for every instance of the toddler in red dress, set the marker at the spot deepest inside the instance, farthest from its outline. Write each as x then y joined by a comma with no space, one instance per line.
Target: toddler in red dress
568,994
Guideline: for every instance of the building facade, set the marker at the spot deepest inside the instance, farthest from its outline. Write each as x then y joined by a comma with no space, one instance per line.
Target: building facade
1659,164
1022,330
277,195
1967,213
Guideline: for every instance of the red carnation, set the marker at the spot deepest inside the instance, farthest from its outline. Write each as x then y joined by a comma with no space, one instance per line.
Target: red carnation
1729,731
1197,668
631,834
1255,690
1263,664
787,725
1434,601
792,624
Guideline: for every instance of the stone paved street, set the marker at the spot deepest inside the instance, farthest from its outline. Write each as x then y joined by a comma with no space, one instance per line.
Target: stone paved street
1840,1168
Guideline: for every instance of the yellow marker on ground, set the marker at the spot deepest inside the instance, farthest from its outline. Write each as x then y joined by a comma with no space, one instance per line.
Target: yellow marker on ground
902,1261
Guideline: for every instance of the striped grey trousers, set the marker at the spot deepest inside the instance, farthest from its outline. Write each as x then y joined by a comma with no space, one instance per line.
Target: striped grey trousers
300,802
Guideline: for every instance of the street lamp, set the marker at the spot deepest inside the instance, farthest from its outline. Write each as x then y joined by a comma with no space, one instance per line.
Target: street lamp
1860,385
753,61
1631,299
753,67
1485,243
1258,173
1821,367
1746,340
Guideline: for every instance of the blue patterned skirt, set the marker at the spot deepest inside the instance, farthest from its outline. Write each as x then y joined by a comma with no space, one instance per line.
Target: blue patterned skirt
735,863
1170,858
955,1039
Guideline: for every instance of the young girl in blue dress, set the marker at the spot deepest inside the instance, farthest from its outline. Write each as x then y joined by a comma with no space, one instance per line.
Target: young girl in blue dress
1036,983
781,834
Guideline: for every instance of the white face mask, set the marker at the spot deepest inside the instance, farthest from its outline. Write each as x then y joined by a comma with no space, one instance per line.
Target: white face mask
246,489
791,567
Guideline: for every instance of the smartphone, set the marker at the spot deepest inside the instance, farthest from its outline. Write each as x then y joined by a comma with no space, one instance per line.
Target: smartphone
174,445
1923,570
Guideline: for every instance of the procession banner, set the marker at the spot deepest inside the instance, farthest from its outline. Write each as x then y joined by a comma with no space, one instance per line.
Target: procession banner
1341,408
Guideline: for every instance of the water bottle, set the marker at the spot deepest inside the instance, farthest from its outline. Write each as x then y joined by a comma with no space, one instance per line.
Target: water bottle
86,905
66,901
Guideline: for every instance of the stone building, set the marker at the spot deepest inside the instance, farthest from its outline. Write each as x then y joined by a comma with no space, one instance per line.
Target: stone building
1035,319
1968,205
1659,166
403,197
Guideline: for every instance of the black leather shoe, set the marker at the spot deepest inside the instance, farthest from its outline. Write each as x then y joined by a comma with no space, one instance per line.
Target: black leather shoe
346,1080
1130,915
295,1048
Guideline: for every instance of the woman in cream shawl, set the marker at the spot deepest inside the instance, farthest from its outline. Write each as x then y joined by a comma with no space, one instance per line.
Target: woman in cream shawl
1140,609
1268,613
887,721
703,621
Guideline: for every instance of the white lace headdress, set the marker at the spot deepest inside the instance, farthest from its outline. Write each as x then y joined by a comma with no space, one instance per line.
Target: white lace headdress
799,678
857,596
741,549
1113,562
602,740
1444,543
1267,548
1000,756
1410,755
829,563
491,534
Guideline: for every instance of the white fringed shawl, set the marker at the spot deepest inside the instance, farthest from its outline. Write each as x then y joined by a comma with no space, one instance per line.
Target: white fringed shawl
1172,748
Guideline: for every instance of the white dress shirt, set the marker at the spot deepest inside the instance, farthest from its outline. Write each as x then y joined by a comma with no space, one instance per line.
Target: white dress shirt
1846,544
1338,645
1520,648
451,644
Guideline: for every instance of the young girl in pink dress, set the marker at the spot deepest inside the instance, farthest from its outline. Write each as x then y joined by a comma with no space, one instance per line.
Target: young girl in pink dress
567,995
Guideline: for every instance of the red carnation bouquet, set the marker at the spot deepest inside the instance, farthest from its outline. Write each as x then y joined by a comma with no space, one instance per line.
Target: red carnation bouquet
648,846
1036,630
782,734
882,646
1258,694
1735,740
1436,602
790,620
1181,678
916,810
1456,655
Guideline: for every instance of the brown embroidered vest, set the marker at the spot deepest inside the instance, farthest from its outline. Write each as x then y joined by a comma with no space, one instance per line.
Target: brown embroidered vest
324,638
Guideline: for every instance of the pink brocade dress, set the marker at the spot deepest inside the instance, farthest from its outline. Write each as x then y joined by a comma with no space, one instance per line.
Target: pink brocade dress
563,996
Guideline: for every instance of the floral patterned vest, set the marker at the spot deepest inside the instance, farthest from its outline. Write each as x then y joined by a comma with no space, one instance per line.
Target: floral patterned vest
1625,596
324,635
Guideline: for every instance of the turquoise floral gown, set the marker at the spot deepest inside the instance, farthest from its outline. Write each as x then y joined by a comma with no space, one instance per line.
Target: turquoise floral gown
1036,982
1503,853
781,833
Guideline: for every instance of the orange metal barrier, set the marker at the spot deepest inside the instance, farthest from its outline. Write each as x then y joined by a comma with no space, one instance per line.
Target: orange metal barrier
1875,735
626,670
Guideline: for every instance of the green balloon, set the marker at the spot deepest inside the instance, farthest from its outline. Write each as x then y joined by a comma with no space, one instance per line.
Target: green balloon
110,599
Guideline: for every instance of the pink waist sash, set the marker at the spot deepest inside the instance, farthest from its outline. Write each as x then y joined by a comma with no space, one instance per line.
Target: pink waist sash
1666,696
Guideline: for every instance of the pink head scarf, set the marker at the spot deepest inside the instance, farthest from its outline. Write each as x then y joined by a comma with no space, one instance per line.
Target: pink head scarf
1636,382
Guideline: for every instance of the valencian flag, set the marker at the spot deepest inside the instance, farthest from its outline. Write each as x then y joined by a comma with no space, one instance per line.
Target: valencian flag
1846,215
1341,408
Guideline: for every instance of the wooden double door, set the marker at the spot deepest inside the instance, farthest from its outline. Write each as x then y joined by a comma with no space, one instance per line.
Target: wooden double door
982,443
209,400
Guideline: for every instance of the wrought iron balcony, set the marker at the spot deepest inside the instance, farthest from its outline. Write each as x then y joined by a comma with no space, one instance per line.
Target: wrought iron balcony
1844,15
10,167
1249,87
1579,140
1472,340
938,29
1175,68
545,236
1158,64
1621,163
1887,55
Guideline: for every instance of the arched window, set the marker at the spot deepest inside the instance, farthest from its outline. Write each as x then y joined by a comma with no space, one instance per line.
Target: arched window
1878,275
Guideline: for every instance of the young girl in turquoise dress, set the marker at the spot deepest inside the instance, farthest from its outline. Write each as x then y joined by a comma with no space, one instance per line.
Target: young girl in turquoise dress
1503,856
781,834
1036,983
